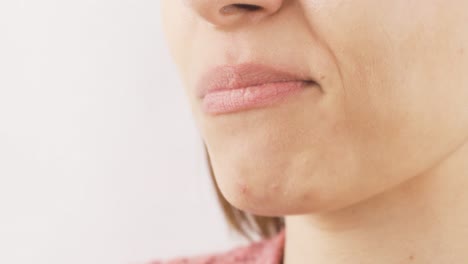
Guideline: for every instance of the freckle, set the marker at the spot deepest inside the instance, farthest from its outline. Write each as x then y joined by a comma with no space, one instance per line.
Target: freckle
322,77
411,257
462,51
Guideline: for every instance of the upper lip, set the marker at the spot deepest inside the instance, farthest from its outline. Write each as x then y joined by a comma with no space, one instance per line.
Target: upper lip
227,77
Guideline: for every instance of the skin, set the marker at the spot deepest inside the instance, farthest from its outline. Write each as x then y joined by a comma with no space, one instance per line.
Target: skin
379,159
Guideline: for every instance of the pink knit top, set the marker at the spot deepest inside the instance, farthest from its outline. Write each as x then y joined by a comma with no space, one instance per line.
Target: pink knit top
268,251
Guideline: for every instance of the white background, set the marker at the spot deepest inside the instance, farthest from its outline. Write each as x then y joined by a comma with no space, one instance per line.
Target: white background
100,161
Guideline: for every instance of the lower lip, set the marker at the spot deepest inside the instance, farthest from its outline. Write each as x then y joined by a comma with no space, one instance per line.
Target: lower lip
235,100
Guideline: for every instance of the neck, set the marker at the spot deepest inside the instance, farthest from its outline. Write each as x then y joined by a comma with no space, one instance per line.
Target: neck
422,221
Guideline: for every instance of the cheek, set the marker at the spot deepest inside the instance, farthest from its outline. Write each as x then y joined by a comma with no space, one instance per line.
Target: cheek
395,89
404,100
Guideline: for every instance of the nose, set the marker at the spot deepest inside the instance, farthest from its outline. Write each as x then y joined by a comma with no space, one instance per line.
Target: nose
231,12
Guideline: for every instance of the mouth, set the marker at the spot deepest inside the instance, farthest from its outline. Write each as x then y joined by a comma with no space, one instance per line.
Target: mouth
235,88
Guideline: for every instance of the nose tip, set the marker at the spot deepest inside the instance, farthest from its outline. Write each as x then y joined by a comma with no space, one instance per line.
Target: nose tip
230,12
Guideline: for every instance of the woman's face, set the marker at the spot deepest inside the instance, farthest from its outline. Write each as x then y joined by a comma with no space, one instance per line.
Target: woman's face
390,98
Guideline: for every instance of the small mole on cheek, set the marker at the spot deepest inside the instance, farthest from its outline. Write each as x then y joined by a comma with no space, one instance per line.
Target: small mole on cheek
411,257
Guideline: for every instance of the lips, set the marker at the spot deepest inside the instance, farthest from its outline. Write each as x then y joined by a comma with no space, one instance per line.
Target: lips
233,88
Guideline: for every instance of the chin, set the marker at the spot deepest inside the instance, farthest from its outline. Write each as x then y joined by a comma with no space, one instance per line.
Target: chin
292,184
267,191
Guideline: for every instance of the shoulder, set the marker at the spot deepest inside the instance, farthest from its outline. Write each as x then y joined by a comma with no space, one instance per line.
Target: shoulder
267,251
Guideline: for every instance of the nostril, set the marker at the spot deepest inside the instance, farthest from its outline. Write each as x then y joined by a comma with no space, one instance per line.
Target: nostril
229,9
248,7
